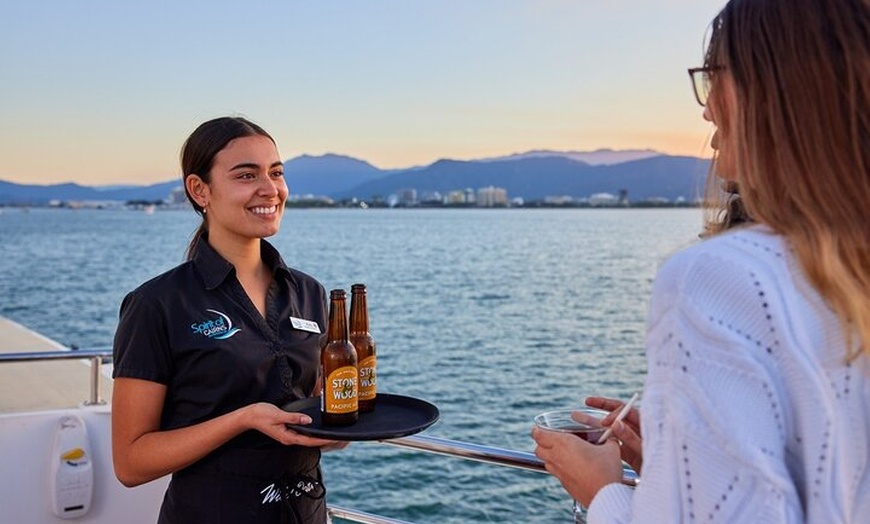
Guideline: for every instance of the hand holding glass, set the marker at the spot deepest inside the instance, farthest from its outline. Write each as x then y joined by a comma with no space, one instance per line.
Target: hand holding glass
583,422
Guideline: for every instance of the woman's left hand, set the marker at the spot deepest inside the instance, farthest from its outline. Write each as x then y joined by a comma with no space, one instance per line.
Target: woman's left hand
581,467
627,431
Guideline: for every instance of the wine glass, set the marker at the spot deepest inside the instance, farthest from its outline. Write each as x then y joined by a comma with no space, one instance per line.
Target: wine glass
584,422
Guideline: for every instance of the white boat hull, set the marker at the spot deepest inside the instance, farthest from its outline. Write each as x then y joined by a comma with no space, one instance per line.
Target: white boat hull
27,484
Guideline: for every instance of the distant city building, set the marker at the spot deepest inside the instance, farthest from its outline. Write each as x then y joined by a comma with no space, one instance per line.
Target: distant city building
659,201
87,204
561,200
309,199
177,196
623,197
454,198
492,197
406,197
431,197
603,199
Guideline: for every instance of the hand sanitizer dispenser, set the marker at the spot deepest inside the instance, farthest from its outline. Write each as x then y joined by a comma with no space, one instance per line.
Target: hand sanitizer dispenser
72,469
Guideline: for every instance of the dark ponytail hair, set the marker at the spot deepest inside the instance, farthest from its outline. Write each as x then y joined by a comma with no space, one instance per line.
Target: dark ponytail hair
199,150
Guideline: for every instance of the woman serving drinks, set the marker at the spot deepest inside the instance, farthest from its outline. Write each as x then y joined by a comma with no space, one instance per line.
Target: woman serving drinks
205,353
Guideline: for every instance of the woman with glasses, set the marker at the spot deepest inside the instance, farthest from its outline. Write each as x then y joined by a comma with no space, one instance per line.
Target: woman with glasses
757,400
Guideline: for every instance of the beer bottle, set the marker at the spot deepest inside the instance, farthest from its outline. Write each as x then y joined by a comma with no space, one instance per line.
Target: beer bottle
365,348
339,404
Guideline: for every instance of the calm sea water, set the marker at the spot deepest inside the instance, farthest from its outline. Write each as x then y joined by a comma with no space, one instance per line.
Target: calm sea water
492,315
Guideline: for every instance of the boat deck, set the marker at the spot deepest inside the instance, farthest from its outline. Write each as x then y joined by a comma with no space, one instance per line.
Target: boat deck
37,394
47,385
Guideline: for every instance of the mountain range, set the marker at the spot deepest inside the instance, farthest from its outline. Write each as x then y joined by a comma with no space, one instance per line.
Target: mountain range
533,175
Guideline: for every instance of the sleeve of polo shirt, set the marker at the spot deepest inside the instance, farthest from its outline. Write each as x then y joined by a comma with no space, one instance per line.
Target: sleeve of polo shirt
141,348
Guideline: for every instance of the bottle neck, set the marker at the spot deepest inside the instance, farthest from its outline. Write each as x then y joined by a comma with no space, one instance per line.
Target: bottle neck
337,320
359,317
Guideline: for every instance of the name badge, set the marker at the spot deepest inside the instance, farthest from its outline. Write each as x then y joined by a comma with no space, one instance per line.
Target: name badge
305,325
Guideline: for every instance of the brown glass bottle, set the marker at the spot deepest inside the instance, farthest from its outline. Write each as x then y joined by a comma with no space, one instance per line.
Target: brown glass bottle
339,403
366,352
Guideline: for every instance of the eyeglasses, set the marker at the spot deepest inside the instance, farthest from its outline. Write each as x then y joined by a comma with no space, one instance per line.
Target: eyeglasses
701,77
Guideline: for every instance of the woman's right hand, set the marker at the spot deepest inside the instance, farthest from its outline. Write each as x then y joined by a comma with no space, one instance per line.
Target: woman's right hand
142,452
272,421
627,431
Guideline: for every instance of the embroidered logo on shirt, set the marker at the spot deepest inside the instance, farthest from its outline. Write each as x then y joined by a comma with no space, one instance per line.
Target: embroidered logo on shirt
220,327
273,493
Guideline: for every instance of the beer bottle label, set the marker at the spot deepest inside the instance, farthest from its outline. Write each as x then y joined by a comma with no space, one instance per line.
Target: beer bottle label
368,378
340,392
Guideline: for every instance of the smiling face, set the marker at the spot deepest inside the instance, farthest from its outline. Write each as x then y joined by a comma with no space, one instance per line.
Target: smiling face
244,198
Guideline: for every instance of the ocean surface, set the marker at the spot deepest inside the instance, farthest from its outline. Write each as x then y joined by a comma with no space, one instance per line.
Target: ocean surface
492,315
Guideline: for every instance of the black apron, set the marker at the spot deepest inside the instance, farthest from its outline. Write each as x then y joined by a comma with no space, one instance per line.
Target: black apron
241,486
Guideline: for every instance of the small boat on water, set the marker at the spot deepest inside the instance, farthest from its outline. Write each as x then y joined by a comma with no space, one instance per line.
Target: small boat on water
55,430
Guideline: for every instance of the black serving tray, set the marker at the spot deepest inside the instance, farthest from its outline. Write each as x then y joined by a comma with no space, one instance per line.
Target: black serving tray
394,416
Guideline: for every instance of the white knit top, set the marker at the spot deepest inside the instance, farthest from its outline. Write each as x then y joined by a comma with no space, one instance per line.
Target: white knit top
750,411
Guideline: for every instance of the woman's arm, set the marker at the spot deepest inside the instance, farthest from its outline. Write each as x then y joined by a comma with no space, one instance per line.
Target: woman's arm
142,452
714,441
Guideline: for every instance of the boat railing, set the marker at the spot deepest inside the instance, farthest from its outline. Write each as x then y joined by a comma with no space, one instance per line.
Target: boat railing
96,356
441,446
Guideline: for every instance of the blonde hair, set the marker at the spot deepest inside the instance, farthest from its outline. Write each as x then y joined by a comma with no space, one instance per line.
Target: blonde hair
723,206
799,134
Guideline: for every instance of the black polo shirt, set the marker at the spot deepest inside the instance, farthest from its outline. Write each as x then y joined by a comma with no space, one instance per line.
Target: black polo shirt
195,330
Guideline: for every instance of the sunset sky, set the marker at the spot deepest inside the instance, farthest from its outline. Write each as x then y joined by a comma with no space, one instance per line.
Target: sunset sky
104,92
